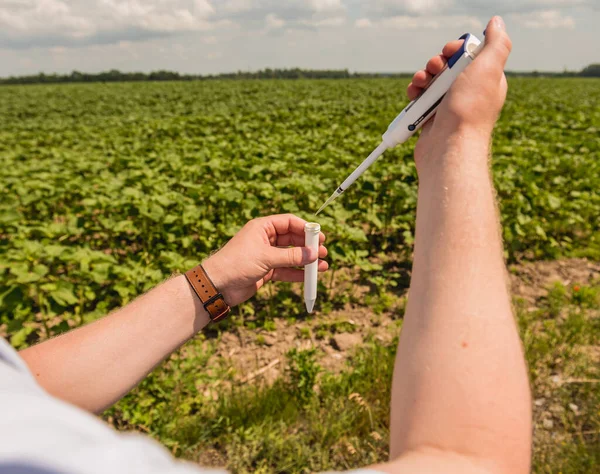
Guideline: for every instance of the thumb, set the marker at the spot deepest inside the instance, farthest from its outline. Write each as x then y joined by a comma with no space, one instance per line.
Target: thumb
497,45
291,256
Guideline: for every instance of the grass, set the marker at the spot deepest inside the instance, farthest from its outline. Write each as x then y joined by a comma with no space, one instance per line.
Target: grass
293,427
562,343
310,420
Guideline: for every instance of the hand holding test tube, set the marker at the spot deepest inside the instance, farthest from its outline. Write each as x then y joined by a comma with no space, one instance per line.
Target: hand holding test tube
311,239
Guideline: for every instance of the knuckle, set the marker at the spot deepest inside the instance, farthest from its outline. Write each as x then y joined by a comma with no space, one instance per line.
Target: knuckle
503,46
507,42
291,255
254,223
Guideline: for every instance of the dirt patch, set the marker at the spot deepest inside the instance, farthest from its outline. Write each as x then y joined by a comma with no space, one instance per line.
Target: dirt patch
531,280
261,355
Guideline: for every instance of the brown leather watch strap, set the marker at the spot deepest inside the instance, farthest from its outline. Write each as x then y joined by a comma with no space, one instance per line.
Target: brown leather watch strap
211,299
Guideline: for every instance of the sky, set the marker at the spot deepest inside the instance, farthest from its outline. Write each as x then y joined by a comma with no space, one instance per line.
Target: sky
212,36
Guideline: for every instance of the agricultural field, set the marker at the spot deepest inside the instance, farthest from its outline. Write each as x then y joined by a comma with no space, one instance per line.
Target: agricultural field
108,189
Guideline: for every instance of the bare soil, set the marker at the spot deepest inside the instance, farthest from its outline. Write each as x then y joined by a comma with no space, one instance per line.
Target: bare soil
260,354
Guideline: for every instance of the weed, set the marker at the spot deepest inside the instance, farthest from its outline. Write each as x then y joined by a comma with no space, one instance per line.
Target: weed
302,373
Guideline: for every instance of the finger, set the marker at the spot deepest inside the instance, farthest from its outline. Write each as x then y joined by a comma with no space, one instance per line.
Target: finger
421,78
436,64
285,240
266,278
323,251
451,47
283,224
296,240
413,91
287,274
294,274
290,256
497,45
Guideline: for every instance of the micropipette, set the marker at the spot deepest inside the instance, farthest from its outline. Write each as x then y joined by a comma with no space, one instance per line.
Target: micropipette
417,112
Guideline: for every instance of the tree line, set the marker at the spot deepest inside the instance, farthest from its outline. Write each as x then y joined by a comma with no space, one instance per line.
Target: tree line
114,75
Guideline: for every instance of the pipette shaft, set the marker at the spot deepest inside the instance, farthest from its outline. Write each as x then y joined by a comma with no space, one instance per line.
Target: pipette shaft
360,169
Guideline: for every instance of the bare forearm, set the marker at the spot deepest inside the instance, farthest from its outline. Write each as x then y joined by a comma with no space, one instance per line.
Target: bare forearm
97,364
459,342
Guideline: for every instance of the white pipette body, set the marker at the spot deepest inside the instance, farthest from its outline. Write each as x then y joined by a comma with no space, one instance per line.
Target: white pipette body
418,111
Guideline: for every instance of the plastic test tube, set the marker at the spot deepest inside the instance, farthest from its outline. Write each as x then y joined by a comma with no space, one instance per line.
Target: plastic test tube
311,239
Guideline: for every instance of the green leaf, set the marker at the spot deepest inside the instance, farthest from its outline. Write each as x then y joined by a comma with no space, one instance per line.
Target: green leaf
64,294
19,338
554,202
10,216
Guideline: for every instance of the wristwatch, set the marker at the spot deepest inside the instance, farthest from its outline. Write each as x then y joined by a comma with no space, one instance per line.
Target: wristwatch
211,298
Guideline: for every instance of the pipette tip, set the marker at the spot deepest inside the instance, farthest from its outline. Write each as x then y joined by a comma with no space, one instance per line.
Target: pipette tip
310,304
335,194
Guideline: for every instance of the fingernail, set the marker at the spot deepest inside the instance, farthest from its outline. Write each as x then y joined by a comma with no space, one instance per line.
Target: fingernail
499,22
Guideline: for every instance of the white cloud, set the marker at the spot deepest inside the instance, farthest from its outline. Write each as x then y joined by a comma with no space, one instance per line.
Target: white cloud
273,21
548,19
405,22
58,50
363,23
413,7
236,6
204,7
48,24
325,22
287,9
326,5
158,16
41,17
60,23
482,8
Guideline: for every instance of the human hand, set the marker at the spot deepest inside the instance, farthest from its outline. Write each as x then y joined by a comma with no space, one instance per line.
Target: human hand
472,105
265,249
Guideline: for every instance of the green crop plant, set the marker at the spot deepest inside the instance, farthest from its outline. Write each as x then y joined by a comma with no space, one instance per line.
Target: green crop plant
108,189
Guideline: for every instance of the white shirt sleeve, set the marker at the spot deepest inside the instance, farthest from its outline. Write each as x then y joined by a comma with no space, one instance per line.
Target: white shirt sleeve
40,434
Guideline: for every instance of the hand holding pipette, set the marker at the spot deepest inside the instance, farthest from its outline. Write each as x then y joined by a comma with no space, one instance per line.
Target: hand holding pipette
418,111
